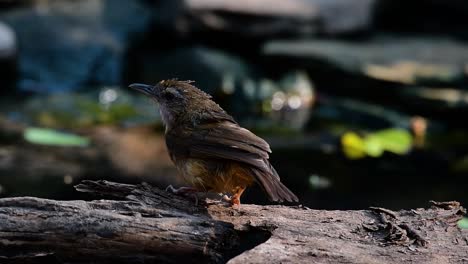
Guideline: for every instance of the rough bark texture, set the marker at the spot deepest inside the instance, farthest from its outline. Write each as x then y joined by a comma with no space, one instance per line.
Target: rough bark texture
146,224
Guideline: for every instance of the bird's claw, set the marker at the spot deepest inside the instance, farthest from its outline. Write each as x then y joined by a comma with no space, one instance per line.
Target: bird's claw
226,198
233,200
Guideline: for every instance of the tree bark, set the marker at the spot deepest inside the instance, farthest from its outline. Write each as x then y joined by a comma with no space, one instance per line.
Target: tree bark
145,224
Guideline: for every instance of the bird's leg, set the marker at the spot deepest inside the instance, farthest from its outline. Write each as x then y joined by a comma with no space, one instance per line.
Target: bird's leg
184,191
235,198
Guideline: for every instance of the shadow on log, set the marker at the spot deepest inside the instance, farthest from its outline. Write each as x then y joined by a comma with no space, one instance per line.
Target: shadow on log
145,224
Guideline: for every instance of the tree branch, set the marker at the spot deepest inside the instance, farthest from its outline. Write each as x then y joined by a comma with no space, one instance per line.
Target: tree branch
146,224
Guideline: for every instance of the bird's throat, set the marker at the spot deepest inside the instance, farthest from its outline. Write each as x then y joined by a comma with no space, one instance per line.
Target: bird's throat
167,117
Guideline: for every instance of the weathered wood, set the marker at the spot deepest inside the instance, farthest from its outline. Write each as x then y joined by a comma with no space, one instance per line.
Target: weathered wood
146,224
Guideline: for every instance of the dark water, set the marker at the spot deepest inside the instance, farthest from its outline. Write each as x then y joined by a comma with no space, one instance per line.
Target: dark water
391,181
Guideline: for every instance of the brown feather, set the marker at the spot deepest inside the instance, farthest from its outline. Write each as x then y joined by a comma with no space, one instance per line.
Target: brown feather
228,141
210,149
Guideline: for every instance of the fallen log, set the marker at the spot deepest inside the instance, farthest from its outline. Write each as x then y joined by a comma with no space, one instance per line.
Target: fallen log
141,223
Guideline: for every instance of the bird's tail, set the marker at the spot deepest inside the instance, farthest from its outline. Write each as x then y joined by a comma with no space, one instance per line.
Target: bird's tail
271,184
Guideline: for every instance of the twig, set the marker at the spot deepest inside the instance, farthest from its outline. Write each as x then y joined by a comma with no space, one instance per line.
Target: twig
446,205
383,210
419,240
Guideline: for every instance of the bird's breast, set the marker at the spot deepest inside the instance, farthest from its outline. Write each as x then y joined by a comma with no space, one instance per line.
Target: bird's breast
215,175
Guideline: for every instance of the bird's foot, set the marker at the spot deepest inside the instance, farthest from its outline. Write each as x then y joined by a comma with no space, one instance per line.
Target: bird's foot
233,200
226,198
184,191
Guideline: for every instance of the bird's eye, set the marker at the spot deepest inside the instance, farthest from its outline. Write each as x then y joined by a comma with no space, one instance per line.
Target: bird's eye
171,93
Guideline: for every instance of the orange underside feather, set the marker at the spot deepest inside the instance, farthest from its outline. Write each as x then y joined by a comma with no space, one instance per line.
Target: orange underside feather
229,178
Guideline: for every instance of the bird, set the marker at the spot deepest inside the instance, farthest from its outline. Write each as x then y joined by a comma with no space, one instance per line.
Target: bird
211,151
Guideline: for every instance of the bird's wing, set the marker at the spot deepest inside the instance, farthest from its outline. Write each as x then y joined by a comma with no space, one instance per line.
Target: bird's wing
224,140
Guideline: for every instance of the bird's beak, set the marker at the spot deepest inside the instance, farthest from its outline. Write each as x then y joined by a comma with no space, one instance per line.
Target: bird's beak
143,88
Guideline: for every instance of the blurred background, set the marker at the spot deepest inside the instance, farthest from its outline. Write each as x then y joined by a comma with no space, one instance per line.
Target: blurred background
364,102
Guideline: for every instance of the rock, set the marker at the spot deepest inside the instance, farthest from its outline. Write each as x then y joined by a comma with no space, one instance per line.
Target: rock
8,49
428,61
67,44
7,42
263,18
430,97
360,114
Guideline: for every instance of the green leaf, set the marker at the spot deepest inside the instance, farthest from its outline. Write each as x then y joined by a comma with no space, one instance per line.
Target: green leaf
398,141
51,137
463,223
373,147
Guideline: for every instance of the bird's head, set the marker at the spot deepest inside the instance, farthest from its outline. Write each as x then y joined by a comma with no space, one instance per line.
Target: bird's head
176,98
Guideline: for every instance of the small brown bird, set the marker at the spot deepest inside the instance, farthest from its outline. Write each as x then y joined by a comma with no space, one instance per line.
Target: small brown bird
209,148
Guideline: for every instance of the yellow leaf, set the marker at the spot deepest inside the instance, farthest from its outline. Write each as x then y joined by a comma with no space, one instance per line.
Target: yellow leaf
353,146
